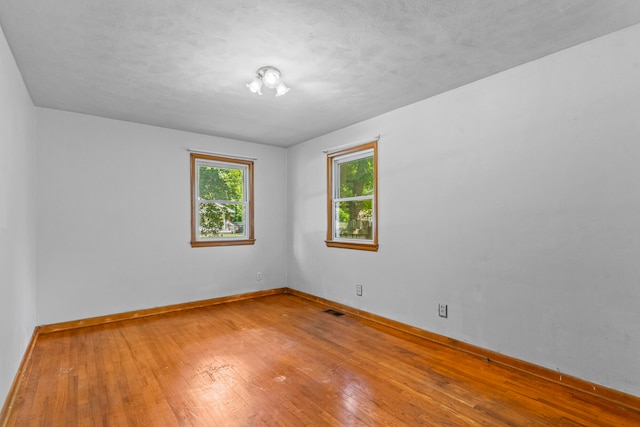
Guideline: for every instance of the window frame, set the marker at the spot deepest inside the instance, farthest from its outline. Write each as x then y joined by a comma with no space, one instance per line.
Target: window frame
333,159
249,239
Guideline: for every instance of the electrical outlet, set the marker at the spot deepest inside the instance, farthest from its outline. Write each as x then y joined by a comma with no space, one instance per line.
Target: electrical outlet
359,290
259,276
442,310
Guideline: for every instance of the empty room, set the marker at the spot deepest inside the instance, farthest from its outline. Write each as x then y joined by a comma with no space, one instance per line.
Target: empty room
342,213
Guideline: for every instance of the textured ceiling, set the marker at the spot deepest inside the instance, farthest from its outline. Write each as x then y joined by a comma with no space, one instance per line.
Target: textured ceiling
183,64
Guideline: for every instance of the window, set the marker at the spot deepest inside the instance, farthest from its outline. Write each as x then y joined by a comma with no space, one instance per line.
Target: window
221,201
352,204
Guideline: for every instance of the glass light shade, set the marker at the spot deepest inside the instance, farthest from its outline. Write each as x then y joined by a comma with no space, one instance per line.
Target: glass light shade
255,86
271,78
281,89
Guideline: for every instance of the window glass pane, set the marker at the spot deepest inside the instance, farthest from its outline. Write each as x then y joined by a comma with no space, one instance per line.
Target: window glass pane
354,220
356,178
218,183
221,220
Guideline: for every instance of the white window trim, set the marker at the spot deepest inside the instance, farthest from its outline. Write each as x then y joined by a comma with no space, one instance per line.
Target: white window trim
337,161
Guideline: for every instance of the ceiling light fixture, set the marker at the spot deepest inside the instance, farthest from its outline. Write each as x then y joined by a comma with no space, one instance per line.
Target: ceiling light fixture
269,77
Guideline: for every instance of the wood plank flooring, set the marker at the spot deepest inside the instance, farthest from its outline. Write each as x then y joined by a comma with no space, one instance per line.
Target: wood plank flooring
281,361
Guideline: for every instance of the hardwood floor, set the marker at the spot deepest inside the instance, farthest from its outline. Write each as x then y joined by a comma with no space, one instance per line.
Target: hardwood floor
281,360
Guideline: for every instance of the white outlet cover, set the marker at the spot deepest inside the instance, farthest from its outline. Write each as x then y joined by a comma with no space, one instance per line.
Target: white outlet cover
442,310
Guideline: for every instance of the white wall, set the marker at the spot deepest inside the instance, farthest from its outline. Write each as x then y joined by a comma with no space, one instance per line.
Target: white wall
17,218
515,200
114,219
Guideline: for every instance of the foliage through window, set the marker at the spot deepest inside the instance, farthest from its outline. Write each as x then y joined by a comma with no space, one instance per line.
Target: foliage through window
221,201
352,198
